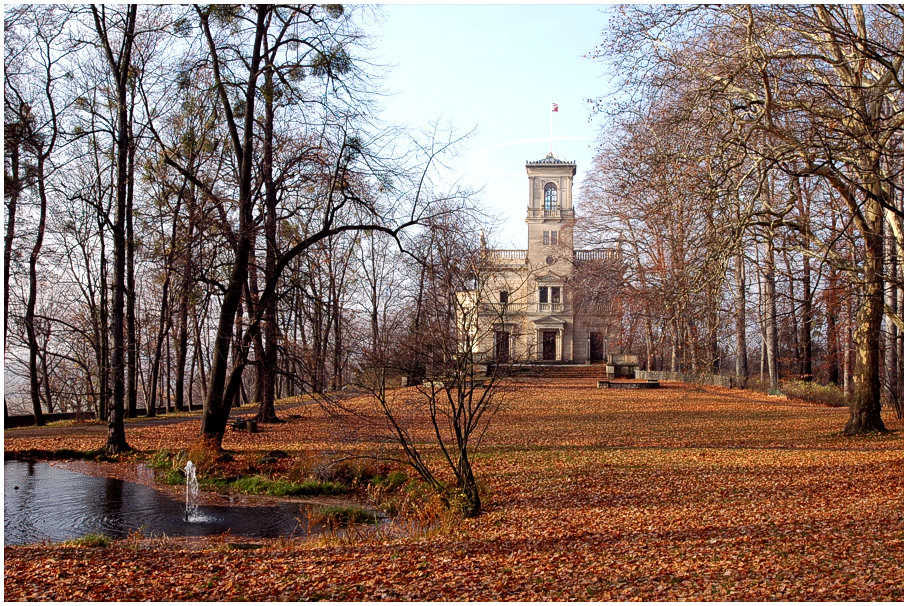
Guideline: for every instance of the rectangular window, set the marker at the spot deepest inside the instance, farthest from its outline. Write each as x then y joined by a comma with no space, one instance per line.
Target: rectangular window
545,237
503,296
543,294
556,295
554,238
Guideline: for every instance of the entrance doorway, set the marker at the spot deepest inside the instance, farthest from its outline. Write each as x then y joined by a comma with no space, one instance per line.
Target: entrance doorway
596,350
502,345
548,344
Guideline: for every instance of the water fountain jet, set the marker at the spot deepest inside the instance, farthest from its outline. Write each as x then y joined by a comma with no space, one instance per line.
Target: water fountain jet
192,493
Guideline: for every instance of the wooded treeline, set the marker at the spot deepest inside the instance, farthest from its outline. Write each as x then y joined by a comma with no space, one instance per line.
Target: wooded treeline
201,208
752,170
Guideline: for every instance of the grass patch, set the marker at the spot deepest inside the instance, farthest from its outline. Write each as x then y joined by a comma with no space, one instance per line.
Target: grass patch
286,488
393,480
350,472
830,395
173,477
167,464
239,546
343,515
170,466
90,540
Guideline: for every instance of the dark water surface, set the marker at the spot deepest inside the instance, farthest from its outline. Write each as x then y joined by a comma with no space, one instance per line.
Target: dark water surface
53,504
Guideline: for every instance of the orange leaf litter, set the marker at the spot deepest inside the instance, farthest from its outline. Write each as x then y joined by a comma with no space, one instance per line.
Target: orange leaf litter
682,493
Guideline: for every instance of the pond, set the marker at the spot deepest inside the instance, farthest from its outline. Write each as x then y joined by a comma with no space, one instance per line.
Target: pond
46,503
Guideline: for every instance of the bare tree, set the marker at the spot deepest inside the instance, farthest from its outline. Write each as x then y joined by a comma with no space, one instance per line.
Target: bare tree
33,101
120,64
463,388
807,92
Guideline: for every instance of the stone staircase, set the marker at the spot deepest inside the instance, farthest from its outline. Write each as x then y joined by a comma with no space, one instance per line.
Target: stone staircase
555,371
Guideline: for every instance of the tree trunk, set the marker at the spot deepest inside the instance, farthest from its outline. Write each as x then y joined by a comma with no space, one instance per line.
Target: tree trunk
183,318
132,343
220,394
832,336
29,319
152,404
13,186
268,359
182,349
192,362
893,334
168,396
650,345
770,320
45,374
472,505
714,355
200,352
741,372
103,328
791,332
848,354
120,68
257,343
676,339
865,402
237,400
806,340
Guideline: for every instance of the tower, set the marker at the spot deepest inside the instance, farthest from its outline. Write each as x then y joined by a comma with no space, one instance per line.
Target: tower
533,306
550,211
550,253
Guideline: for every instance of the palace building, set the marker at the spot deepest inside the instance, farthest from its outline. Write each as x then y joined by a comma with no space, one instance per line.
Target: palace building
549,302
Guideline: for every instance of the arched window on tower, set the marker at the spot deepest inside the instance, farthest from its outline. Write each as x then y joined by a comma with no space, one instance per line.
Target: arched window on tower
550,197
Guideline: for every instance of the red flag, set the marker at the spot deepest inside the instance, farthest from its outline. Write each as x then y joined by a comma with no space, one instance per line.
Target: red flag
554,107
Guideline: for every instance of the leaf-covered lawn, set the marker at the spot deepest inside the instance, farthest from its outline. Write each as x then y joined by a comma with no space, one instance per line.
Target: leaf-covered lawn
677,494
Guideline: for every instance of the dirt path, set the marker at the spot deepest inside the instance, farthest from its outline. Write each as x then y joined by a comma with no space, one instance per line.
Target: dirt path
95,427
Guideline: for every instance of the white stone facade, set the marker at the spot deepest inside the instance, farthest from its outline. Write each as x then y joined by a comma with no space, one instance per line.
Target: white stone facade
528,307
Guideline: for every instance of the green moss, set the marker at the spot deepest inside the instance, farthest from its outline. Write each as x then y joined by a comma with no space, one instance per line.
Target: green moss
284,488
173,477
393,480
90,540
397,478
161,459
343,515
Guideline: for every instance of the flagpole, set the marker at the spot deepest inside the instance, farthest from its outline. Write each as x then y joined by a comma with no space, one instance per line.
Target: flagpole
551,120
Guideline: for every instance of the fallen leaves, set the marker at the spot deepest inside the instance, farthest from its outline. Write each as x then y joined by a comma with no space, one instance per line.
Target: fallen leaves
675,494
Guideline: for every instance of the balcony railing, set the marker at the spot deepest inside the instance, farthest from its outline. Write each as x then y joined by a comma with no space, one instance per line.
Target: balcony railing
549,307
546,213
503,309
507,254
599,254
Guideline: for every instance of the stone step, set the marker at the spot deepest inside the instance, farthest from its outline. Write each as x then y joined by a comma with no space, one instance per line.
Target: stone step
555,371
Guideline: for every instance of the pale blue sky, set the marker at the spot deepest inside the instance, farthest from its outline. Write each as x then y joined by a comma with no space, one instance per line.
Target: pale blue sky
497,68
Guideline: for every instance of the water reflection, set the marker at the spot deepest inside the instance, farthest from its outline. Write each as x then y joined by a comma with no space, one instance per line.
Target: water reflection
46,503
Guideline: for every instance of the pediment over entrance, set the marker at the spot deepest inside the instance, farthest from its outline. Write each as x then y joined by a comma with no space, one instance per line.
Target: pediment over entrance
549,322
550,277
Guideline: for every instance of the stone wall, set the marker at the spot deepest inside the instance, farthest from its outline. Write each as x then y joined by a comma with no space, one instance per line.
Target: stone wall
696,379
